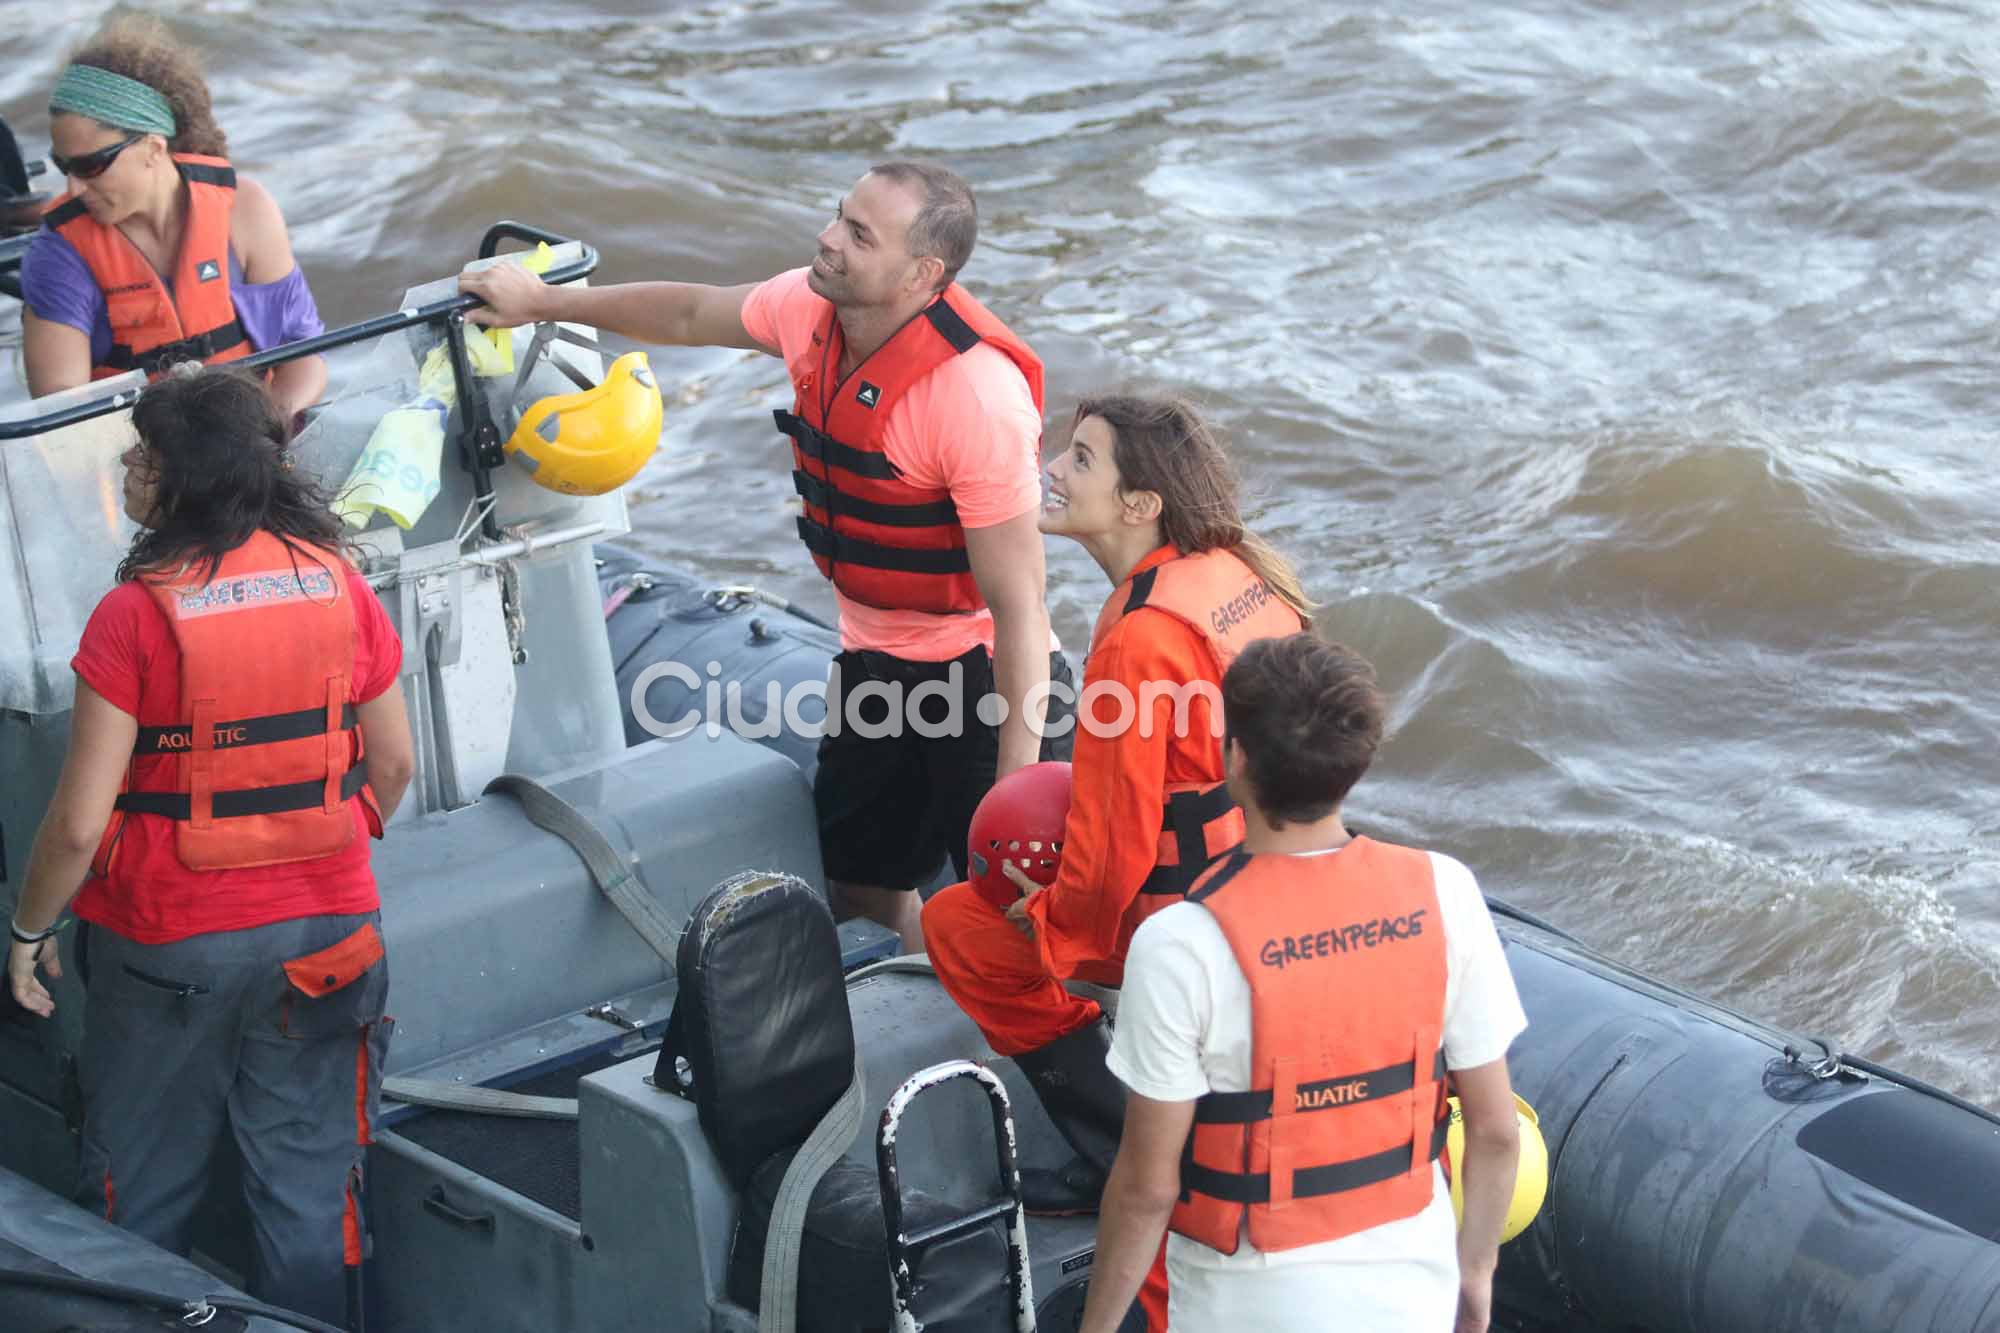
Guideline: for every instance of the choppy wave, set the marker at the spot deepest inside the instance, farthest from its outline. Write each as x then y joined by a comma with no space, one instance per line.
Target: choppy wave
1621,376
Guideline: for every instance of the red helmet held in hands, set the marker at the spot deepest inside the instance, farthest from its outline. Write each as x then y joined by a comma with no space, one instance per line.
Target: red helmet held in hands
1021,820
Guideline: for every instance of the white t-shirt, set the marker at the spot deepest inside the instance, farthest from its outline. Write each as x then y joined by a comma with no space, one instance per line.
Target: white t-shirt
1184,1030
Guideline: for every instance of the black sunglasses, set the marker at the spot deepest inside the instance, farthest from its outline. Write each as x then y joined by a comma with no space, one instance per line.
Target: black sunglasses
91,165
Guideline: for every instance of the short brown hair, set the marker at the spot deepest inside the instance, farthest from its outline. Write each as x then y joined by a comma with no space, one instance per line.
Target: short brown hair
947,222
1308,717
140,48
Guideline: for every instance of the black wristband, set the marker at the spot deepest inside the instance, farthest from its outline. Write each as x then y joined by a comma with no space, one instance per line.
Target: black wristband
25,937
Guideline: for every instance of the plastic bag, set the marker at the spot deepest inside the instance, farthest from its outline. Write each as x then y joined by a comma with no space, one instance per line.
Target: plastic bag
397,473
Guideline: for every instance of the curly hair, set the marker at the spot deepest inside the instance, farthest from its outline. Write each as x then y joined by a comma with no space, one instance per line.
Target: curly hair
140,47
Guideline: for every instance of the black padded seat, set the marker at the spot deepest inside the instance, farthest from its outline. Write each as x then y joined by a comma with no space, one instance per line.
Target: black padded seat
762,1027
844,1261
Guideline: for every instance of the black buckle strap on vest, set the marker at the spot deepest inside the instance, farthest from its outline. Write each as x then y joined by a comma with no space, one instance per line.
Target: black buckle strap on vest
247,801
827,544
57,218
1187,816
1142,589
813,491
816,444
1247,1108
266,730
198,348
1232,865
1307,1182
201,173
951,326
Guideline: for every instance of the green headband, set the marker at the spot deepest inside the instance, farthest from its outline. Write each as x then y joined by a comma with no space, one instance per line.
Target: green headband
113,99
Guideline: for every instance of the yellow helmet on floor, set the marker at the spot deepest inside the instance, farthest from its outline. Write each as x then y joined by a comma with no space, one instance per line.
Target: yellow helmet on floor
595,441
1531,1179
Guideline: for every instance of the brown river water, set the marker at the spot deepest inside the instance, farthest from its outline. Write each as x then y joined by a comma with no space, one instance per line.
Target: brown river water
1616,372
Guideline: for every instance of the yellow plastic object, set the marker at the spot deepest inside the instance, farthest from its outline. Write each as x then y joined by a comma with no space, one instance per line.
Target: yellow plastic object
595,441
492,350
1531,1178
397,473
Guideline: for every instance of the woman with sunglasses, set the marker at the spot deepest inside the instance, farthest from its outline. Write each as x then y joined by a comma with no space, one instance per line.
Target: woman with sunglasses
159,253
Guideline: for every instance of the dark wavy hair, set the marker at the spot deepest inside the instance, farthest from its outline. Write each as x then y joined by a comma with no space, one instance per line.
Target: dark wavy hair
219,447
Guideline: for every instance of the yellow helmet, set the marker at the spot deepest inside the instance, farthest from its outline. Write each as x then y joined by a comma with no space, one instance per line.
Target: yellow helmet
1531,1178
595,441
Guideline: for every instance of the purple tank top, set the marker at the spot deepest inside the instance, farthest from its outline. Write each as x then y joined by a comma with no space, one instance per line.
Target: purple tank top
57,285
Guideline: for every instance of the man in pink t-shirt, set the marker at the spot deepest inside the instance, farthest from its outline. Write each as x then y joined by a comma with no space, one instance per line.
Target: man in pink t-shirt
915,432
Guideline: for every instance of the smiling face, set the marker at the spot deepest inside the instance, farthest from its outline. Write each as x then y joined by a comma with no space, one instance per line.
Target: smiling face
124,187
864,258
1083,498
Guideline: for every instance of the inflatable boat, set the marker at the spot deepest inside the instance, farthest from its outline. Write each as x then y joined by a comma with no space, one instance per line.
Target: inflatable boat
641,1081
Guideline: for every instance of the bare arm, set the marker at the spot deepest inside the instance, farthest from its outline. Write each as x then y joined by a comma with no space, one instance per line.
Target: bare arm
1138,1200
257,232
101,737
681,314
387,752
1007,565
1492,1152
57,356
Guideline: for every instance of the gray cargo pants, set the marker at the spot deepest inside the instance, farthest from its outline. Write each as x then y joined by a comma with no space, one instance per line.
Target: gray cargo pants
186,1041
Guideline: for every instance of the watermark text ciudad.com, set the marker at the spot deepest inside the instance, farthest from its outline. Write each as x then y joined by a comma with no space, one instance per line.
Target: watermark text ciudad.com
933,709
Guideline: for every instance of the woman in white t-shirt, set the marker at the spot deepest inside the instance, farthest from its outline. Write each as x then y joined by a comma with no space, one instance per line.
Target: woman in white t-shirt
1303,720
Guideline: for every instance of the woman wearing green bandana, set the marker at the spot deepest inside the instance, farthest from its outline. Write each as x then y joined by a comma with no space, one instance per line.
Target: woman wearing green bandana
160,252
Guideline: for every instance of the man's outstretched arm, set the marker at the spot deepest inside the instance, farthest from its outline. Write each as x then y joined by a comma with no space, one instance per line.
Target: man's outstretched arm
681,314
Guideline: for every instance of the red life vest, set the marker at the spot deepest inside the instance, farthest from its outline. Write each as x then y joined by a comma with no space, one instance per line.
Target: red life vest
882,540
1222,599
151,328
267,747
1345,956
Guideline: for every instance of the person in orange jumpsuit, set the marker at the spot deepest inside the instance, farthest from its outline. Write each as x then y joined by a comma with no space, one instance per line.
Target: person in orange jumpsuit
1146,488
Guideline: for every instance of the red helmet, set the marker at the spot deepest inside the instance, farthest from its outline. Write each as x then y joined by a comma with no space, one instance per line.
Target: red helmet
1021,820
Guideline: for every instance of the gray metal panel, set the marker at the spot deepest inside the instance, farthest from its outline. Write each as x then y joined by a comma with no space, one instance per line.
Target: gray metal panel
494,925
454,1251
655,1203
566,709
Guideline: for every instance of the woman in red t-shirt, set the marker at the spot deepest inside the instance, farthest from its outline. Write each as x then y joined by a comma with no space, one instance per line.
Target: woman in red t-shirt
237,733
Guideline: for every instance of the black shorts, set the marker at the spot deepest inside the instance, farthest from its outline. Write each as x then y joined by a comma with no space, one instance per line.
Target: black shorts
893,806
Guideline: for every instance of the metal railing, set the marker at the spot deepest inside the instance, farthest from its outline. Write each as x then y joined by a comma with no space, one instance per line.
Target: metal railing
450,313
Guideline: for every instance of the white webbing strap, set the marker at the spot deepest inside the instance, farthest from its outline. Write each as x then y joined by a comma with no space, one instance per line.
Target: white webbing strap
777,1304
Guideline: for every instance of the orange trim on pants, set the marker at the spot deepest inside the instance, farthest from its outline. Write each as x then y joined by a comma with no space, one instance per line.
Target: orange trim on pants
995,974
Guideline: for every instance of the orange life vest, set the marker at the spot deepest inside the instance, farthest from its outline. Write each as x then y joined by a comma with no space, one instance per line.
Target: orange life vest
883,540
267,748
151,327
1345,956
1223,600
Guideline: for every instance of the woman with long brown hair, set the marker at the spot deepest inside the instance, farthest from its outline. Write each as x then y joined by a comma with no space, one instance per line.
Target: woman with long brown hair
159,252
1146,488
237,735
